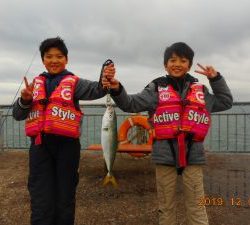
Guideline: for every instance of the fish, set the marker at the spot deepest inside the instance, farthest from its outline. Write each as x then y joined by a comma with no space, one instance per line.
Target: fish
109,141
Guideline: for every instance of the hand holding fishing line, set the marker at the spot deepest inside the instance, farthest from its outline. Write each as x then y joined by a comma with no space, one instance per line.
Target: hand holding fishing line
208,71
108,80
27,92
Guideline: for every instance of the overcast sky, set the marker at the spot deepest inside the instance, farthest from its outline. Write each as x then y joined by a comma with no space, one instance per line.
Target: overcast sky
134,33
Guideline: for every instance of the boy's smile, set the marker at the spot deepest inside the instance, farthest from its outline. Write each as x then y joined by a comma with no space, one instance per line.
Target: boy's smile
177,66
54,61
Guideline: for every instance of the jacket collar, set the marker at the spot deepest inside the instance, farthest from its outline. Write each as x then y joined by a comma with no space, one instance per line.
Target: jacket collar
62,74
186,78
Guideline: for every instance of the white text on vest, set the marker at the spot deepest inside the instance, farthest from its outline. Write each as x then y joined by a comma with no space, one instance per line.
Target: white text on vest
62,114
166,117
33,115
198,118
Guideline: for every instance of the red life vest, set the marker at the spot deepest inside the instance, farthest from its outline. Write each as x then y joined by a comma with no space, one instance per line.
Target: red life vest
174,115
59,116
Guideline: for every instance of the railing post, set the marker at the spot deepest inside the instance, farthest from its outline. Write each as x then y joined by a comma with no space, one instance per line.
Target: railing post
1,130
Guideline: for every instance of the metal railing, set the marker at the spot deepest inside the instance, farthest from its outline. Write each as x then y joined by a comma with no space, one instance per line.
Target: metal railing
230,132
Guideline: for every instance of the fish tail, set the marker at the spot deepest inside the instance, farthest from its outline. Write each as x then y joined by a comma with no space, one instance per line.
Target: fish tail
110,179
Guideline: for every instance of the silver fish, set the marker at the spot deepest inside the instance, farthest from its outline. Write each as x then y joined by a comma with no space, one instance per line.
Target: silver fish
109,140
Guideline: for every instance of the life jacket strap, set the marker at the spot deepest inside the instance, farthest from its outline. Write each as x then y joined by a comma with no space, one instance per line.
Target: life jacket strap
182,149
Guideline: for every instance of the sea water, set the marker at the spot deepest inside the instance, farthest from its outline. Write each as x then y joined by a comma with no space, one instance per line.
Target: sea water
230,130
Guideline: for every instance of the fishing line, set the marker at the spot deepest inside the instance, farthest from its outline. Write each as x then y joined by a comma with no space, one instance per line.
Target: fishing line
14,99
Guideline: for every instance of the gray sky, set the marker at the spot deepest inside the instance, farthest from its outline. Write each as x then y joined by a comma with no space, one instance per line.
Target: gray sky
134,33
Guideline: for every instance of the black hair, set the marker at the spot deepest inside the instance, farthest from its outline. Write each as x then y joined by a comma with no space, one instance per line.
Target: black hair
56,42
181,49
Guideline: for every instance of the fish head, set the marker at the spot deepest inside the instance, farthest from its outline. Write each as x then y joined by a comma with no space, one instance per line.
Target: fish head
109,116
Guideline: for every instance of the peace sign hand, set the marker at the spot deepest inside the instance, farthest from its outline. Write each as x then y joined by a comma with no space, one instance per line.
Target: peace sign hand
27,92
208,71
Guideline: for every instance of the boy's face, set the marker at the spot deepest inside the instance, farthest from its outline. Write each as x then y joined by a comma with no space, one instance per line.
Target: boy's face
177,66
54,61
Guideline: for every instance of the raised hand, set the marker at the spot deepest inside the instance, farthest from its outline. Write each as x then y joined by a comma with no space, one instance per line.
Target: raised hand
208,71
108,80
27,92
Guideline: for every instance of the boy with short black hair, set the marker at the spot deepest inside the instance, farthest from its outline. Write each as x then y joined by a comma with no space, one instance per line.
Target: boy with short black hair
50,105
179,110
53,42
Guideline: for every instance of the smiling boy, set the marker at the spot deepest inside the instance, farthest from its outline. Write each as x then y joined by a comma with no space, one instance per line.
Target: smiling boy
179,110
50,106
